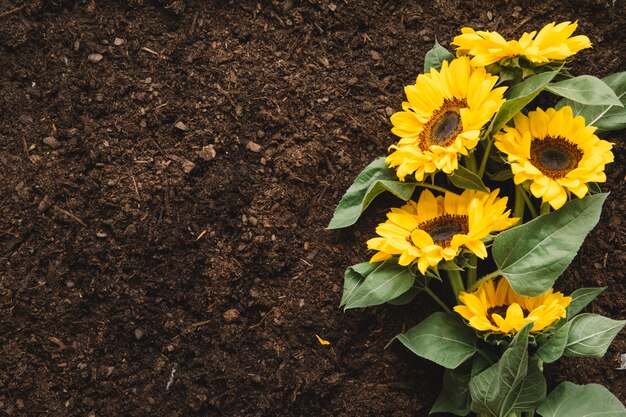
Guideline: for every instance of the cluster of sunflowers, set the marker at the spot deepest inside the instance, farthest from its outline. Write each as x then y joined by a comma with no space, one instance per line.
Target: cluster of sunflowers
510,321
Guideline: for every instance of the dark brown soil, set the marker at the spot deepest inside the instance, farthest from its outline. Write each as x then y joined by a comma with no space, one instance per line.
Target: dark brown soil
139,276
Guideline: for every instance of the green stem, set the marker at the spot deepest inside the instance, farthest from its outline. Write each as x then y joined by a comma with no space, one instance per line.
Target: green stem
545,208
472,271
483,162
456,282
470,161
494,274
519,202
437,299
432,186
529,204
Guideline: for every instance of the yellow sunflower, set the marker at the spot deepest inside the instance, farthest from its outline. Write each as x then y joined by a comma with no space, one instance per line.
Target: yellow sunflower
552,43
486,47
442,118
497,308
437,228
555,152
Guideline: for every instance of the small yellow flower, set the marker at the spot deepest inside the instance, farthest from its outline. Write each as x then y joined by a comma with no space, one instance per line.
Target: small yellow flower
497,308
485,47
552,43
322,341
442,118
437,228
555,152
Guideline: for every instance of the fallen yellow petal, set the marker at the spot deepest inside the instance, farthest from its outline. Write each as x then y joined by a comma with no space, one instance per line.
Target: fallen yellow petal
322,341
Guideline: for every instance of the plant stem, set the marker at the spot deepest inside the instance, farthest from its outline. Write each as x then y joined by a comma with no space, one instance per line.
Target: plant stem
519,202
456,282
483,163
472,271
545,208
437,299
529,204
431,186
494,274
470,161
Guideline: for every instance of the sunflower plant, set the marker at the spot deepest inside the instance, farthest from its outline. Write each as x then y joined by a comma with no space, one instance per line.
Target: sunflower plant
499,155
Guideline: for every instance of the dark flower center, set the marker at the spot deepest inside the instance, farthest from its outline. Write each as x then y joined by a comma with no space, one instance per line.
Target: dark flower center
441,229
444,125
555,157
501,311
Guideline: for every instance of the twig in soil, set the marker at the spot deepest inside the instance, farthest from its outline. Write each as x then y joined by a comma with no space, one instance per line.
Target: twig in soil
136,188
69,215
192,29
200,235
26,149
171,380
264,317
17,9
150,51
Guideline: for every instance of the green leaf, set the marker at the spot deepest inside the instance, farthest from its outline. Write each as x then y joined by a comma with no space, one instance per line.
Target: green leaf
467,180
354,277
454,397
502,175
442,338
518,97
387,282
533,255
376,178
406,298
585,89
554,347
435,57
571,400
512,384
581,298
591,335
604,117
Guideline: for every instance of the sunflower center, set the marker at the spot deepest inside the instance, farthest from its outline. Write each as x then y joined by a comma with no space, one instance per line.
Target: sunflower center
501,311
441,229
555,157
444,125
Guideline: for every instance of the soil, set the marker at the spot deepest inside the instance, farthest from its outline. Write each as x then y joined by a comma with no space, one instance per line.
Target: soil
167,169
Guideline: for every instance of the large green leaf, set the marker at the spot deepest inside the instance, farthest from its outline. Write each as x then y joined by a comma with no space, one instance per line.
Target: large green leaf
435,57
591,335
376,178
571,400
519,96
467,180
354,277
554,347
385,283
604,117
454,397
512,384
442,338
581,298
533,255
585,89
407,297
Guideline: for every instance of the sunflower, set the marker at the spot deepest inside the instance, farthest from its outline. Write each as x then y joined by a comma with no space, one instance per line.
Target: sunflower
486,47
437,228
552,43
497,308
555,152
442,118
